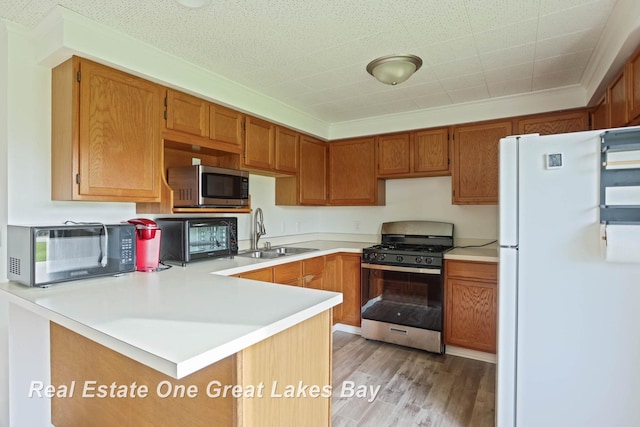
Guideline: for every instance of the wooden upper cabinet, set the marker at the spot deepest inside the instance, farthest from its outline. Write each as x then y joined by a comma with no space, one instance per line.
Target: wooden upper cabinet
225,125
286,150
617,96
394,154
554,123
600,115
431,152
186,113
312,177
475,162
633,74
106,142
259,144
411,154
352,173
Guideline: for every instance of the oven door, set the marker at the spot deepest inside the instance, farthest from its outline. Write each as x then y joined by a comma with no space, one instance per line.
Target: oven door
402,305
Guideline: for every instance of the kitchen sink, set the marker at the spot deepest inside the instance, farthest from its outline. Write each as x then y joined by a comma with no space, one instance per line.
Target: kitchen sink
260,254
290,250
275,252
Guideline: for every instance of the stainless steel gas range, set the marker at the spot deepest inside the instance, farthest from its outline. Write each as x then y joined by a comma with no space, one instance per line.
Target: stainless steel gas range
403,285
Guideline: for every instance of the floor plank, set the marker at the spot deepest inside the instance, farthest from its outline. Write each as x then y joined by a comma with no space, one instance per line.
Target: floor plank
417,388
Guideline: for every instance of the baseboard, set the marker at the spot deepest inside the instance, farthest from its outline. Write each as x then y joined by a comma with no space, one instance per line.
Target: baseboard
346,328
470,354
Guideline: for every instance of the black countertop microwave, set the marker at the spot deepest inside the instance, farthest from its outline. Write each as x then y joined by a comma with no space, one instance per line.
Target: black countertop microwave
208,186
189,239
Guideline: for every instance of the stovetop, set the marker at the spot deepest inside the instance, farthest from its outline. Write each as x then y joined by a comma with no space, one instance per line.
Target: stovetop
411,244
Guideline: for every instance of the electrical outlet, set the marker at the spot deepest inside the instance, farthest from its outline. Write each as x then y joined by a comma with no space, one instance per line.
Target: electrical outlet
282,227
195,161
356,225
297,226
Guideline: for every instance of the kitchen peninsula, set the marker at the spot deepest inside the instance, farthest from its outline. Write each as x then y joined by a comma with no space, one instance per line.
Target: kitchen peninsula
177,347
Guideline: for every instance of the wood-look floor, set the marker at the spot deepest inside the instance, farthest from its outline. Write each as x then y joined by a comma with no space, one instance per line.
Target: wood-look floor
417,388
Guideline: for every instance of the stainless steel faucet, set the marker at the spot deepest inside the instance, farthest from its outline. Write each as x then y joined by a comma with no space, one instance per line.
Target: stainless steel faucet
258,228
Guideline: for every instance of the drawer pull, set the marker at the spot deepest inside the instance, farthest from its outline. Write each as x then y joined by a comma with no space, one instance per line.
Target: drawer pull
399,331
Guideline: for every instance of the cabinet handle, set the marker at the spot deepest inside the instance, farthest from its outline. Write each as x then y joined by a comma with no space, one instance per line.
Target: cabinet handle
398,331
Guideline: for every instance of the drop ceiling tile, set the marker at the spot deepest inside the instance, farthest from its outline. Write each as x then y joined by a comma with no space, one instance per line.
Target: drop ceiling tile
469,94
509,87
557,79
568,43
487,15
440,53
507,57
514,72
563,62
516,34
433,100
551,6
570,21
469,80
457,68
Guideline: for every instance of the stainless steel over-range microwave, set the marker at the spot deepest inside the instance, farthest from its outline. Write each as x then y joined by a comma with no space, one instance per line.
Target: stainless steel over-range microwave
208,186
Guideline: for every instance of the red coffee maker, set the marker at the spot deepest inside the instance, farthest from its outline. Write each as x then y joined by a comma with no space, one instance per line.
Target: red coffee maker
147,244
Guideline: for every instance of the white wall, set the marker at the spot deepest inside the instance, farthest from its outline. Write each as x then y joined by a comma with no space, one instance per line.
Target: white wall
4,312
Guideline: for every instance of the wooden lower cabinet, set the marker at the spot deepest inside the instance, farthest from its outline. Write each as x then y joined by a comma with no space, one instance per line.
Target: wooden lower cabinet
262,275
337,273
288,274
471,305
301,353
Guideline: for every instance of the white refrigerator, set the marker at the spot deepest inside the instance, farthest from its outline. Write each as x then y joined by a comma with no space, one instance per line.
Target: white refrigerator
568,310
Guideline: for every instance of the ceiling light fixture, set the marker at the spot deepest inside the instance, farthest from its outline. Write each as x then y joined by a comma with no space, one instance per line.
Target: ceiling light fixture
194,4
394,69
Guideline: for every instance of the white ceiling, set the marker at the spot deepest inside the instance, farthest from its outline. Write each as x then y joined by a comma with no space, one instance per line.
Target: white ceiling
312,54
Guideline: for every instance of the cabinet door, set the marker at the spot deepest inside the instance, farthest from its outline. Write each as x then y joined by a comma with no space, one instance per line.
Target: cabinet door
475,162
225,125
617,96
633,74
333,282
471,314
312,178
186,113
555,123
259,144
352,172
312,273
119,136
286,150
600,115
350,270
288,274
394,154
431,152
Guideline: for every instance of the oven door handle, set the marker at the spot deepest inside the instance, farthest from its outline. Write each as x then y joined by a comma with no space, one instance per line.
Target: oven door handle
402,269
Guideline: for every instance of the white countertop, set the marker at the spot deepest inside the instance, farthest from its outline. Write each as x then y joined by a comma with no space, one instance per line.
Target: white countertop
183,319
489,254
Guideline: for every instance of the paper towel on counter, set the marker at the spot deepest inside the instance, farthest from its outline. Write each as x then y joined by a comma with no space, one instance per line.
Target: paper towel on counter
621,243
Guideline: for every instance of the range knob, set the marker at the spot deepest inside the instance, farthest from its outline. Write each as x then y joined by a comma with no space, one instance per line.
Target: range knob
429,260
381,257
399,258
372,256
418,259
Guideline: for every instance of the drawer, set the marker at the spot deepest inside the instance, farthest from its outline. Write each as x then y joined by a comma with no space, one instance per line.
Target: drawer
288,273
471,269
263,275
313,266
